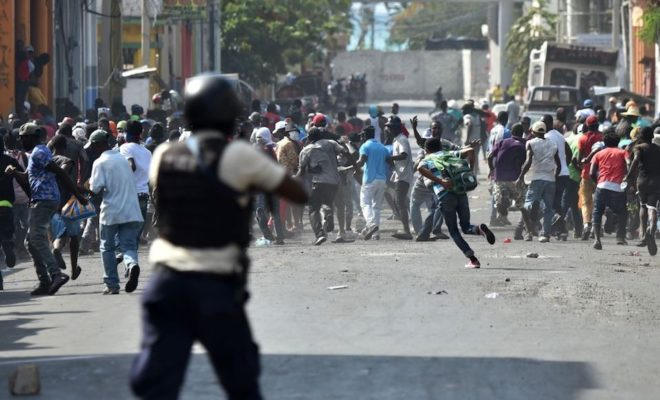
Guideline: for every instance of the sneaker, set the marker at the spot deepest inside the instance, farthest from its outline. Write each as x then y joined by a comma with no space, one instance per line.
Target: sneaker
529,237
650,243
119,259
641,243
518,236
585,234
40,289
134,274
473,264
279,242
75,273
484,230
107,290
622,242
505,221
370,232
426,239
440,236
402,236
320,241
563,237
544,239
339,240
58,281
58,257
598,245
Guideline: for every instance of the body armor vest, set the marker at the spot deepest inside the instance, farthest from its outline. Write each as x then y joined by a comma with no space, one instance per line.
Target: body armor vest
194,208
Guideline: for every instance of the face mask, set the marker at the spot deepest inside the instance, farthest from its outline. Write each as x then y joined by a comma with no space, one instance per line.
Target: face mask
294,135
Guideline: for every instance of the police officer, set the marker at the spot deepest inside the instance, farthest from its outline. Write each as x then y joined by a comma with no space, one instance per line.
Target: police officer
198,290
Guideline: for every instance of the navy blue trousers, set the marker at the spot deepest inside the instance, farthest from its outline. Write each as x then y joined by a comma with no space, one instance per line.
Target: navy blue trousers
179,308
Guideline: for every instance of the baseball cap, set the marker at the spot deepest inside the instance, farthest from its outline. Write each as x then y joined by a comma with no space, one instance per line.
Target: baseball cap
539,127
588,103
97,136
121,125
280,125
66,121
319,120
591,120
30,129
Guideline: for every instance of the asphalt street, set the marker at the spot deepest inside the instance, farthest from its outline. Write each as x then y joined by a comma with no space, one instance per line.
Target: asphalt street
411,322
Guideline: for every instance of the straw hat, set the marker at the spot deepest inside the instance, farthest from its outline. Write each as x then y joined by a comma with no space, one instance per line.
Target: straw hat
632,111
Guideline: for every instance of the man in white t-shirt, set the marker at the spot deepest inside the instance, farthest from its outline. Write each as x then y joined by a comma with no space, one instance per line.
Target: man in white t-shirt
561,203
139,157
120,219
403,175
542,163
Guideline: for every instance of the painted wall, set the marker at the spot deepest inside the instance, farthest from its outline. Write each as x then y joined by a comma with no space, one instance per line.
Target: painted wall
417,74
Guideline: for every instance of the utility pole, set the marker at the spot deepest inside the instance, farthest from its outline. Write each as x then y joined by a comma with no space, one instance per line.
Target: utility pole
110,63
146,33
215,36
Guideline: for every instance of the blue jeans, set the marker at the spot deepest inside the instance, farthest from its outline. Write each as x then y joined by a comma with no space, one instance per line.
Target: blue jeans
456,210
117,236
41,212
616,201
542,191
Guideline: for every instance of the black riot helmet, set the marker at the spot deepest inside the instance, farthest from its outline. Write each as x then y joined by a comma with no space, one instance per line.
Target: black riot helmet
211,104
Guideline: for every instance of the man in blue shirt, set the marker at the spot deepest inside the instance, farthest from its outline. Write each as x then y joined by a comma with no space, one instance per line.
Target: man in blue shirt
43,174
375,157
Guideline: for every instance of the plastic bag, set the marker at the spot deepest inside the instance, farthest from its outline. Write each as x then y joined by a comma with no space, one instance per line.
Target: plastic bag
74,210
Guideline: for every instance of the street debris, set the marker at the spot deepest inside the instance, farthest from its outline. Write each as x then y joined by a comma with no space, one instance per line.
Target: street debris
25,381
338,287
507,280
344,270
620,270
507,240
493,295
532,255
634,253
438,292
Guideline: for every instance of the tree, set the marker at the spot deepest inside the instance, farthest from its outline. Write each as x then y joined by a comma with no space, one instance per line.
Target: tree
261,37
534,27
418,21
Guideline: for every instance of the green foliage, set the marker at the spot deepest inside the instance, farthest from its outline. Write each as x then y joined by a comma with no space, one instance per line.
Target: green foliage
418,21
529,32
650,30
261,37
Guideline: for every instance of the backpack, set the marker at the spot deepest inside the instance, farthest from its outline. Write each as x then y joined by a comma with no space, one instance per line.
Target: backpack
457,170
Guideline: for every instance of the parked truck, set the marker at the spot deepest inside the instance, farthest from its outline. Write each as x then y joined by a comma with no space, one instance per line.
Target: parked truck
580,67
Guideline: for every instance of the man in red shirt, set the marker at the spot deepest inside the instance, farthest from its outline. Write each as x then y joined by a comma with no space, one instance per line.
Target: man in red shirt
590,137
608,168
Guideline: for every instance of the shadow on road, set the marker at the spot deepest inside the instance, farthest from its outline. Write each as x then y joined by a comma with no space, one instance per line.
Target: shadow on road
316,377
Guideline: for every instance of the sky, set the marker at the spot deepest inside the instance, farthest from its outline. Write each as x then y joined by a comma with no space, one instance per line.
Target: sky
382,27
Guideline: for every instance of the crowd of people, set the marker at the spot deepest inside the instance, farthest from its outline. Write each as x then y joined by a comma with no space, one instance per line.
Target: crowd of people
561,173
